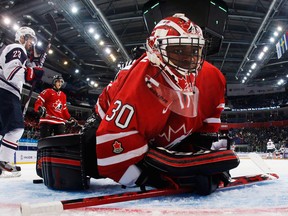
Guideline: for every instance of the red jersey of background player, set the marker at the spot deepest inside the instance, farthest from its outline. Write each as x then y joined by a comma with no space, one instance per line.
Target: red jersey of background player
134,116
55,104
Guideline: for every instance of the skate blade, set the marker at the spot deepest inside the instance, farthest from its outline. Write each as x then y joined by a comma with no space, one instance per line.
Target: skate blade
6,174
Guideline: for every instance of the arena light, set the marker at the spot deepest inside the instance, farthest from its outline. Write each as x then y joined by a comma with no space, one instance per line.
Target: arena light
96,36
260,56
91,30
279,28
280,82
108,50
276,33
39,43
6,20
253,66
15,27
113,57
50,51
74,9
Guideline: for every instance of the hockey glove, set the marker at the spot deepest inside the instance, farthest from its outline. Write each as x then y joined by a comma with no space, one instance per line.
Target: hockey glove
42,111
37,56
33,73
29,75
38,73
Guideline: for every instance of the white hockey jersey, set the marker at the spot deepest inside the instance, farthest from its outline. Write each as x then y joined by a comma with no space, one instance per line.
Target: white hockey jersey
270,145
12,68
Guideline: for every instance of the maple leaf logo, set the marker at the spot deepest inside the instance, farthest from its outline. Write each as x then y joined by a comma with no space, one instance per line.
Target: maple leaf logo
57,105
117,147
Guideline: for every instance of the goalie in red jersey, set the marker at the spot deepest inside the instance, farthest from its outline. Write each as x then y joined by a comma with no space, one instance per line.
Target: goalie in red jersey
156,124
170,98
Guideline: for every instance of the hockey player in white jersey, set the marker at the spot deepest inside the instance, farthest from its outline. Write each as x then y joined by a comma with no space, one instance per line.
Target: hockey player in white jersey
270,149
13,73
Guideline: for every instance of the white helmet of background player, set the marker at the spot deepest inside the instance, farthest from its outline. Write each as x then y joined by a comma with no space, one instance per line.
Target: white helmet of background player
26,32
55,79
178,43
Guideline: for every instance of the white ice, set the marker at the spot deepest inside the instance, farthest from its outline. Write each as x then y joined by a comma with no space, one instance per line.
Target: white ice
270,198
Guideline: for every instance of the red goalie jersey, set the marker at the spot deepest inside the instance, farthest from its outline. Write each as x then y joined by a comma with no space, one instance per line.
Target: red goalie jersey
55,104
139,109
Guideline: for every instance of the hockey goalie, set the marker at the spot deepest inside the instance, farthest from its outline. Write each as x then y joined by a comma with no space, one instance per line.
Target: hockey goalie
155,125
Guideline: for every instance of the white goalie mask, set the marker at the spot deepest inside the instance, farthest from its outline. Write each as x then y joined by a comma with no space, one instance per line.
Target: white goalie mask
178,43
176,46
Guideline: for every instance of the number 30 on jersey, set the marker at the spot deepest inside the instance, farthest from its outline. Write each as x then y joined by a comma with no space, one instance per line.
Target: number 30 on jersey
121,114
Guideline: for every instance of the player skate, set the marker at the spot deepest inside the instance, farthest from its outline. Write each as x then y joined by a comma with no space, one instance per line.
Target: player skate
8,170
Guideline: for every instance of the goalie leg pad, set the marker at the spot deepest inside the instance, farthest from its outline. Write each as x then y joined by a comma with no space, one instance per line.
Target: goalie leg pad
183,164
60,160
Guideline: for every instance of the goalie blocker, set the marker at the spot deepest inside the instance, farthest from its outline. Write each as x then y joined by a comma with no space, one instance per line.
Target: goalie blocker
67,162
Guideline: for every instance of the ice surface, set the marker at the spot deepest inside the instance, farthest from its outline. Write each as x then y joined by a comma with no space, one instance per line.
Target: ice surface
270,198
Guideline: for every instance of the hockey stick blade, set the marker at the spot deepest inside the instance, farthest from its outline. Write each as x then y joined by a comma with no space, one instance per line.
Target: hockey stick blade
57,207
54,29
52,23
260,163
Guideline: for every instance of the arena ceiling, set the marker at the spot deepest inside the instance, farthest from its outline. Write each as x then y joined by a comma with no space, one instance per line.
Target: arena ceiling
119,24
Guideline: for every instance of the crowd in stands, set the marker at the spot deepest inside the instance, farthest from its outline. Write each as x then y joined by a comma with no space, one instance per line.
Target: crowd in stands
258,101
256,138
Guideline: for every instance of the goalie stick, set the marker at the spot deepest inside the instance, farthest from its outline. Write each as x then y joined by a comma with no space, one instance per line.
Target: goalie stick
54,29
260,163
58,206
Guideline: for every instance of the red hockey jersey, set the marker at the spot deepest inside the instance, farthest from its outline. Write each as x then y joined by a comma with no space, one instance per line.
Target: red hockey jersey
55,104
134,117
